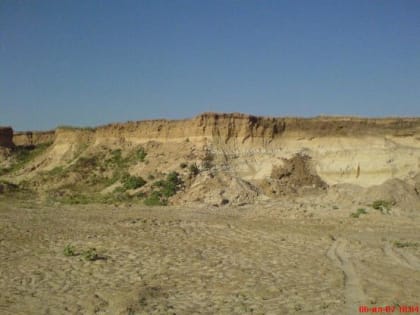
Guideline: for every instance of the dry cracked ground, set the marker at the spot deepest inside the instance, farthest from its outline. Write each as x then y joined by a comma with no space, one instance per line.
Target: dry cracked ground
270,258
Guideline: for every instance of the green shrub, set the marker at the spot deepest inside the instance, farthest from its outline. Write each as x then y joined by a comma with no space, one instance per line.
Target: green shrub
69,250
174,179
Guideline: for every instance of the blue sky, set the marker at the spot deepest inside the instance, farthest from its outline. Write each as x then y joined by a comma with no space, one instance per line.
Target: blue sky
93,62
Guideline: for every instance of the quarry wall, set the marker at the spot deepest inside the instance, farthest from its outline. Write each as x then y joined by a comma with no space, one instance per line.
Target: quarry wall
351,150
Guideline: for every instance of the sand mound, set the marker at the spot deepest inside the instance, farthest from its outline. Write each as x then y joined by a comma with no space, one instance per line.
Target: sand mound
295,175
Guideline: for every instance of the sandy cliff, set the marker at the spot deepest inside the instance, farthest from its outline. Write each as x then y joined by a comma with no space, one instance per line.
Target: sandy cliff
239,156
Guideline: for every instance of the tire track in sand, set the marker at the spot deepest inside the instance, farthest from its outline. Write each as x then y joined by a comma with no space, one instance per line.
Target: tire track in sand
353,292
402,258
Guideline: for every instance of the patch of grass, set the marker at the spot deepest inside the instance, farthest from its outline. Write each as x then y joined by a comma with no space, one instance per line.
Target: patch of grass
358,213
56,171
4,170
116,196
24,154
382,205
69,250
85,164
116,159
405,244
76,199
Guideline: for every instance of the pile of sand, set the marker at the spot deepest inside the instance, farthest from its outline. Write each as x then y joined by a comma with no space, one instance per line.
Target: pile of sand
403,196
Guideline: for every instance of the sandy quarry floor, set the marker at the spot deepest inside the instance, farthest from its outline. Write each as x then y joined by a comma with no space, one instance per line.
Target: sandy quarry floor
274,258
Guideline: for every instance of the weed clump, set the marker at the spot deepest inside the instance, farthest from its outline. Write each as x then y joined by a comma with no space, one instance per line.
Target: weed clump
382,205
405,244
358,213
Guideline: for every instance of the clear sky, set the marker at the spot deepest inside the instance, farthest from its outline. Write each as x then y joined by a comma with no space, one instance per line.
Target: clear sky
87,62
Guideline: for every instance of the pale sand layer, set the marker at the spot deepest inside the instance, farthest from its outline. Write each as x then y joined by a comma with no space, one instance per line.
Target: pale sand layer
273,258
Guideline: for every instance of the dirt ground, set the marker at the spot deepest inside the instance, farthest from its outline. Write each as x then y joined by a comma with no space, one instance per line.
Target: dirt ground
277,257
